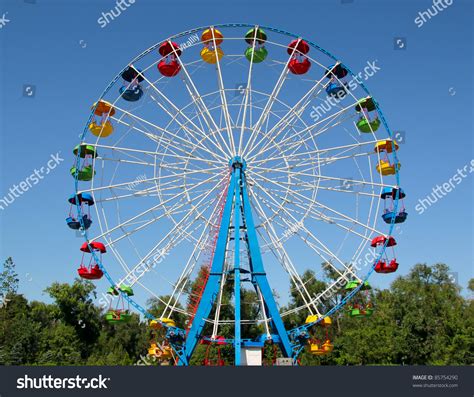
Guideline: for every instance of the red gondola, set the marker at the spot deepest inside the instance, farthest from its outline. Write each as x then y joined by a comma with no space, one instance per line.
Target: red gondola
380,240
299,63
385,265
95,246
213,357
169,66
92,271
297,66
169,48
301,47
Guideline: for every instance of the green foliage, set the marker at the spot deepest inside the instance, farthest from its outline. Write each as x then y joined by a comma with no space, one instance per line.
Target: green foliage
8,278
422,319
71,331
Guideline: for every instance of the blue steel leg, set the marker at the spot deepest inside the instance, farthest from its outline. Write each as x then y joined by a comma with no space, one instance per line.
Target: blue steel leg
212,285
237,218
260,275
238,201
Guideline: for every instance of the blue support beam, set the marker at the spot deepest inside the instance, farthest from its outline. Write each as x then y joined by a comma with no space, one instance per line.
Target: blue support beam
237,303
260,276
237,204
213,282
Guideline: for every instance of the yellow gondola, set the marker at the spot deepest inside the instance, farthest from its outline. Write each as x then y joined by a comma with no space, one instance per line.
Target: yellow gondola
317,349
166,352
210,55
101,130
385,145
385,168
103,107
154,350
158,323
163,352
209,35
325,322
154,324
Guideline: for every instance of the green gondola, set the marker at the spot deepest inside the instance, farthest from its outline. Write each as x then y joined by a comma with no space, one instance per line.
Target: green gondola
84,174
118,316
112,291
358,312
85,150
126,290
260,35
259,54
355,283
366,103
368,126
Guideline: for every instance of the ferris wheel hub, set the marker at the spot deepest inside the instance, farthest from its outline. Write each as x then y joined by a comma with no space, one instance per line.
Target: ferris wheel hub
238,162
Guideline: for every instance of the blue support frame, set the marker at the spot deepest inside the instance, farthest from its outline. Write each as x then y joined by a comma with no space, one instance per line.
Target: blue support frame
237,204
217,267
237,300
260,277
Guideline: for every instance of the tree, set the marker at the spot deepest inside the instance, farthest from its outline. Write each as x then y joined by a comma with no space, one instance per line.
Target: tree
74,307
8,278
422,319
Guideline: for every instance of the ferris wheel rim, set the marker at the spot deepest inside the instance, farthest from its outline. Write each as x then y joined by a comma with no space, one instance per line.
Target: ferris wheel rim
234,25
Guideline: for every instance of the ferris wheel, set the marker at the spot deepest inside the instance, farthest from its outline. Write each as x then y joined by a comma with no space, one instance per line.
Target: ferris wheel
232,158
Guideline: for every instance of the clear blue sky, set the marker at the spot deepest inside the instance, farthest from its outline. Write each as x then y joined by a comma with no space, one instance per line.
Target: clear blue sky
58,46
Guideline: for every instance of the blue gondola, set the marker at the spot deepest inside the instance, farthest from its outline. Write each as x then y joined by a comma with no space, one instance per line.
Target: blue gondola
336,90
131,91
391,193
81,199
132,94
336,70
399,218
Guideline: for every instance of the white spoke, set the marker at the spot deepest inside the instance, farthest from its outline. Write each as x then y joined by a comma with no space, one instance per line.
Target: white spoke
222,94
190,133
322,246
197,99
268,106
169,236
